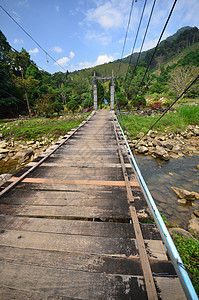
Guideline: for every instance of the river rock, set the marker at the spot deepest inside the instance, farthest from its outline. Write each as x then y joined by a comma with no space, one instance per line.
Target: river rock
196,131
142,149
174,155
4,151
2,156
176,149
196,195
3,144
196,212
167,144
182,201
194,226
179,231
161,153
4,178
183,194
156,142
30,142
24,154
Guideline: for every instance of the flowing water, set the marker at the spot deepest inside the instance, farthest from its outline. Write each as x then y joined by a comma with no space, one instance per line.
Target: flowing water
160,176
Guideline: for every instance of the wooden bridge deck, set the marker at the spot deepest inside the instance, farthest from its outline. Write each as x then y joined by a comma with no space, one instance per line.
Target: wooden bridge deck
66,229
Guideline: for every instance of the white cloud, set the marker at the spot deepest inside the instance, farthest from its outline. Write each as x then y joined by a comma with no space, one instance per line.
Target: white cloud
18,41
57,8
102,59
16,16
72,54
34,51
148,45
23,3
99,37
106,15
63,61
57,49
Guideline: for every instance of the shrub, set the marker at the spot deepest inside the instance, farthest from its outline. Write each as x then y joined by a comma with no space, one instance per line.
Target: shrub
72,105
139,100
44,106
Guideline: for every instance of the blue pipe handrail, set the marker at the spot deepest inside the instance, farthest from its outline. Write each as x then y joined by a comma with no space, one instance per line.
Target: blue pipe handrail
171,248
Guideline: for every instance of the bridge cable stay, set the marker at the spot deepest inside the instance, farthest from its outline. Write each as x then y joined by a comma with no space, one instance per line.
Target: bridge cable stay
155,50
45,136
135,41
147,27
126,34
146,30
166,23
185,90
25,31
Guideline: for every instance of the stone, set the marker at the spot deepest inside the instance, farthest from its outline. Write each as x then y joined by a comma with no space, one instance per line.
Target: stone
183,194
161,153
162,138
196,212
142,149
3,144
180,231
193,216
196,195
197,166
182,201
4,178
4,151
176,149
196,131
140,135
193,226
24,154
167,144
2,156
156,143
30,142
174,155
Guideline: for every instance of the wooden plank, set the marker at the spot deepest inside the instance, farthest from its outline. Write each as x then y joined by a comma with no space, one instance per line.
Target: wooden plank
64,211
170,288
72,261
71,243
74,182
80,165
70,227
148,278
68,283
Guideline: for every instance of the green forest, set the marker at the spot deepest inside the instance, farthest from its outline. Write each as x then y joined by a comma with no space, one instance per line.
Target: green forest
26,89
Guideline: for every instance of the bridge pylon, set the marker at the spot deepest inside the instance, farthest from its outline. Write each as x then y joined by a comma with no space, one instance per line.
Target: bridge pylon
112,92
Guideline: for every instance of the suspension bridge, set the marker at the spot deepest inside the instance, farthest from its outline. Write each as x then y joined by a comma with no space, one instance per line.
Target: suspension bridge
74,224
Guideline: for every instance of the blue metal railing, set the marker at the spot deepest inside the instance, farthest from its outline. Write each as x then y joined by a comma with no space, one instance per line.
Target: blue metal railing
171,248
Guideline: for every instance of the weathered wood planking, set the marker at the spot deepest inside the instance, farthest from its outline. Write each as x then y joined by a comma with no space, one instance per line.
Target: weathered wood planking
56,238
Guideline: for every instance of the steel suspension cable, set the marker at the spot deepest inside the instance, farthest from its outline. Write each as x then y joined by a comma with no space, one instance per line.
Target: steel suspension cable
155,50
129,20
32,38
136,35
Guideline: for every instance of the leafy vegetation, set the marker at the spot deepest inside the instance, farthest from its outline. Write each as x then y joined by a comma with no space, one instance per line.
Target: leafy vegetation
174,121
189,252
36,128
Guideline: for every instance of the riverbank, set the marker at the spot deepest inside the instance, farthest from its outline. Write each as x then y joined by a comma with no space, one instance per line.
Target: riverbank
22,140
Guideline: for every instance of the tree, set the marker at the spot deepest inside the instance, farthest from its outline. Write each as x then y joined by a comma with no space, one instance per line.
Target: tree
72,105
58,106
45,106
181,77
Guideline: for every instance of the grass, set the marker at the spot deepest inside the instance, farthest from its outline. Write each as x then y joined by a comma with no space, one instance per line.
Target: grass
189,252
36,128
174,122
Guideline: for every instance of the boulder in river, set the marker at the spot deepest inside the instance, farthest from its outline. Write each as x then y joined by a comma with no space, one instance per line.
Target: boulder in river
161,153
179,231
194,226
142,149
184,194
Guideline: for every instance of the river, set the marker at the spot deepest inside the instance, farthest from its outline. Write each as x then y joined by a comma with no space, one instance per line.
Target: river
161,175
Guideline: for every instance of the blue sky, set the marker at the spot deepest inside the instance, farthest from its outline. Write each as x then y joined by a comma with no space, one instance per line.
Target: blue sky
80,34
